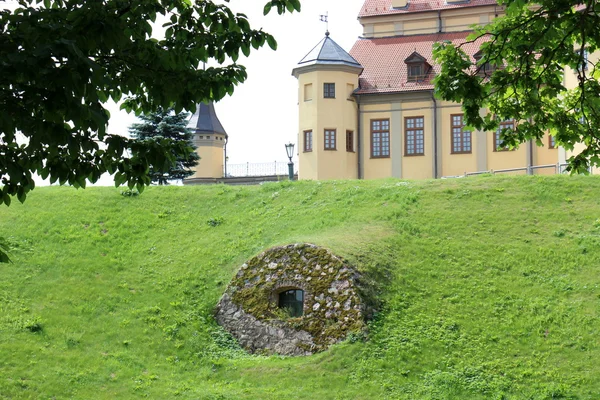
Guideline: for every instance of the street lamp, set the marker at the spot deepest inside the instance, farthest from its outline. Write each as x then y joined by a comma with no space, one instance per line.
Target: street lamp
289,149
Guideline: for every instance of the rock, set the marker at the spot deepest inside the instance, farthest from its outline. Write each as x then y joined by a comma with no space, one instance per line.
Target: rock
347,305
328,287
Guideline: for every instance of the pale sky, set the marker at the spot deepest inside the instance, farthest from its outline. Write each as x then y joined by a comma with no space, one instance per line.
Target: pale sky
262,115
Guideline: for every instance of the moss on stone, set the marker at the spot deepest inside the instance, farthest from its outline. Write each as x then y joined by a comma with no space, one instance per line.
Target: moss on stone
332,305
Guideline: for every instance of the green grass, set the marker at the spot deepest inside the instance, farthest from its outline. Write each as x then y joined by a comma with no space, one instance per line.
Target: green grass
490,289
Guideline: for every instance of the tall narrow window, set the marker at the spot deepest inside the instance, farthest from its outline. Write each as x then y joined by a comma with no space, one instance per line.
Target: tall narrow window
330,139
292,301
350,141
414,137
329,90
510,125
461,137
308,141
551,142
415,72
380,138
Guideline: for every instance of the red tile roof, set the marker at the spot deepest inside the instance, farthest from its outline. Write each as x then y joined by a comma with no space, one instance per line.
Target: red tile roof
384,7
383,60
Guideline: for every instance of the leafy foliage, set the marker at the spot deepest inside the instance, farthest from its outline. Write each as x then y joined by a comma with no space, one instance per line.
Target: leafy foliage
161,124
533,48
62,60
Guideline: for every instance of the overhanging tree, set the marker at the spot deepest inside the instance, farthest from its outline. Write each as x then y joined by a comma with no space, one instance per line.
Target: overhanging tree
532,47
165,123
62,60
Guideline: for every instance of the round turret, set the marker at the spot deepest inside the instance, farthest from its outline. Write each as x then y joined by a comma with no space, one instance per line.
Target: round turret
327,135
211,139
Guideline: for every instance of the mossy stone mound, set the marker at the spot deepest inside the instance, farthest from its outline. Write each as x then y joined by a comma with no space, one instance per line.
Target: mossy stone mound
332,307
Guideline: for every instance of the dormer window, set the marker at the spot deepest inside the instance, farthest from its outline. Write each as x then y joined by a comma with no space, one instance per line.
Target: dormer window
415,71
417,67
485,69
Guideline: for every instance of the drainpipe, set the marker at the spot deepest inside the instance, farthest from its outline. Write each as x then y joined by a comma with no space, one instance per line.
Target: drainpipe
435,137
529,169
439,21
530,145
358,136
226,140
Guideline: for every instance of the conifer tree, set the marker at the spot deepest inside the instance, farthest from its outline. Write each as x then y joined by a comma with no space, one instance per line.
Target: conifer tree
166,124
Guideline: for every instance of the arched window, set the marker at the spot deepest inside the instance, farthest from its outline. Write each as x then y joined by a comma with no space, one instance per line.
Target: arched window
293,301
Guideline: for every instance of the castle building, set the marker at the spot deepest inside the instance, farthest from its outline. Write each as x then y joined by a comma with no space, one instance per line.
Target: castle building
371,113
210,139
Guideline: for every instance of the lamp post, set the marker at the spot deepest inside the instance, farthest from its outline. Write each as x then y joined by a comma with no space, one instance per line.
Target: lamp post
289,149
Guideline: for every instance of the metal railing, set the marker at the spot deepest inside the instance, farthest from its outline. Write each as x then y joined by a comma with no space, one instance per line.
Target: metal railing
558,169
259,169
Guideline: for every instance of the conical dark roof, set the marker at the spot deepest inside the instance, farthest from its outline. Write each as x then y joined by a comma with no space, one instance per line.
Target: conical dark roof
328,52
205,120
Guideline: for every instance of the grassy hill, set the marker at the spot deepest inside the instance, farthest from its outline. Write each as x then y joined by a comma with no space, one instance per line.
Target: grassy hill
490,289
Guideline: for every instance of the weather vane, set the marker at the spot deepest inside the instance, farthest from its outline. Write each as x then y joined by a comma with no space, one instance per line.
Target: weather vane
325,18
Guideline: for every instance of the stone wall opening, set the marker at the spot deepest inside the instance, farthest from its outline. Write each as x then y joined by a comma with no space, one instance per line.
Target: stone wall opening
292,300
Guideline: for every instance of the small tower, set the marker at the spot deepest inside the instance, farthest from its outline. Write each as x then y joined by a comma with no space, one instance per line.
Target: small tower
211,139
327,135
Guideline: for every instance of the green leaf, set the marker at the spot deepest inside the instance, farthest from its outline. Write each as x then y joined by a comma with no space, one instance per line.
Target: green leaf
267,8
272,42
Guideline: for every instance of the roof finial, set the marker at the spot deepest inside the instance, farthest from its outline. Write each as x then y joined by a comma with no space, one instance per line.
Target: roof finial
325,18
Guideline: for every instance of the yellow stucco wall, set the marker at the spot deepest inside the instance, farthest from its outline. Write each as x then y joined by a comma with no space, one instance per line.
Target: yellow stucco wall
516,158
460,23
420,27
418,167
382,30
211,155
544,155
455,164
319,114
375,168
453,20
